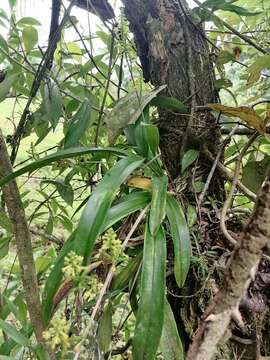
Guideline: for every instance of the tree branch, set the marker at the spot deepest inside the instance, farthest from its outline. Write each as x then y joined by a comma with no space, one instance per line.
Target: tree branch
23,242
241,271
101,8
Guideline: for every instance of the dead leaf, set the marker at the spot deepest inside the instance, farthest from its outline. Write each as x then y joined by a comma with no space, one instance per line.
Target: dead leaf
244,113
140,182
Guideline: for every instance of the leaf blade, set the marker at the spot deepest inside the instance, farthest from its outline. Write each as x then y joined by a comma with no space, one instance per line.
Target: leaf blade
150,314
59,155
181,240
158,204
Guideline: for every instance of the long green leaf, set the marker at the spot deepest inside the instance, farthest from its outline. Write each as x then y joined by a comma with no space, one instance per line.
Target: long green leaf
104,333
158,205
181,240
78,125
165,102
94,215
12,332
90,226
128,205
122,278
170,343
54,279
131,203
150,314
59,155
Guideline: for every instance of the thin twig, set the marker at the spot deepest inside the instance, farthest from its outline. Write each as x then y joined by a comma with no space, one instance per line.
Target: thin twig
213,169
234,31
35,87
99,122
230,176
228,201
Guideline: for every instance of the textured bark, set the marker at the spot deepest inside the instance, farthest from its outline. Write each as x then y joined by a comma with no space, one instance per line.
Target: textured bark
173,51
23,242
241,270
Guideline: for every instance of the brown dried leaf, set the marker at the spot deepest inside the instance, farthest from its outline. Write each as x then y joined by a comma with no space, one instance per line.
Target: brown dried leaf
140,183
244,113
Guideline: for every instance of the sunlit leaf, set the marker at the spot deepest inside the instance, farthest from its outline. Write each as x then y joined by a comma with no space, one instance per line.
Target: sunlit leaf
74,50
28,21
30,37
127,110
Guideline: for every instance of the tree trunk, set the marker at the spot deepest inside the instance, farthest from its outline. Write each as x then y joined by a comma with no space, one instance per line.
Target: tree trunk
174,51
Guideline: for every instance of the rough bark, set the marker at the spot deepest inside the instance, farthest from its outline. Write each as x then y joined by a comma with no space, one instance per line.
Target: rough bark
241,270
23,243
174,51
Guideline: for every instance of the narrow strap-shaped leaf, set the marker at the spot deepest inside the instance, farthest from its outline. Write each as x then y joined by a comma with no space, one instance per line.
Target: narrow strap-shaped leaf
170,343
122,278
54,279
60,155
158,205
152,297
104,333
181,240
151,135
94,215
128,205
91,224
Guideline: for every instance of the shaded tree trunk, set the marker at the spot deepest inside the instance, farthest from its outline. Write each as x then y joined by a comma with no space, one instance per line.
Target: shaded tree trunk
174,51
